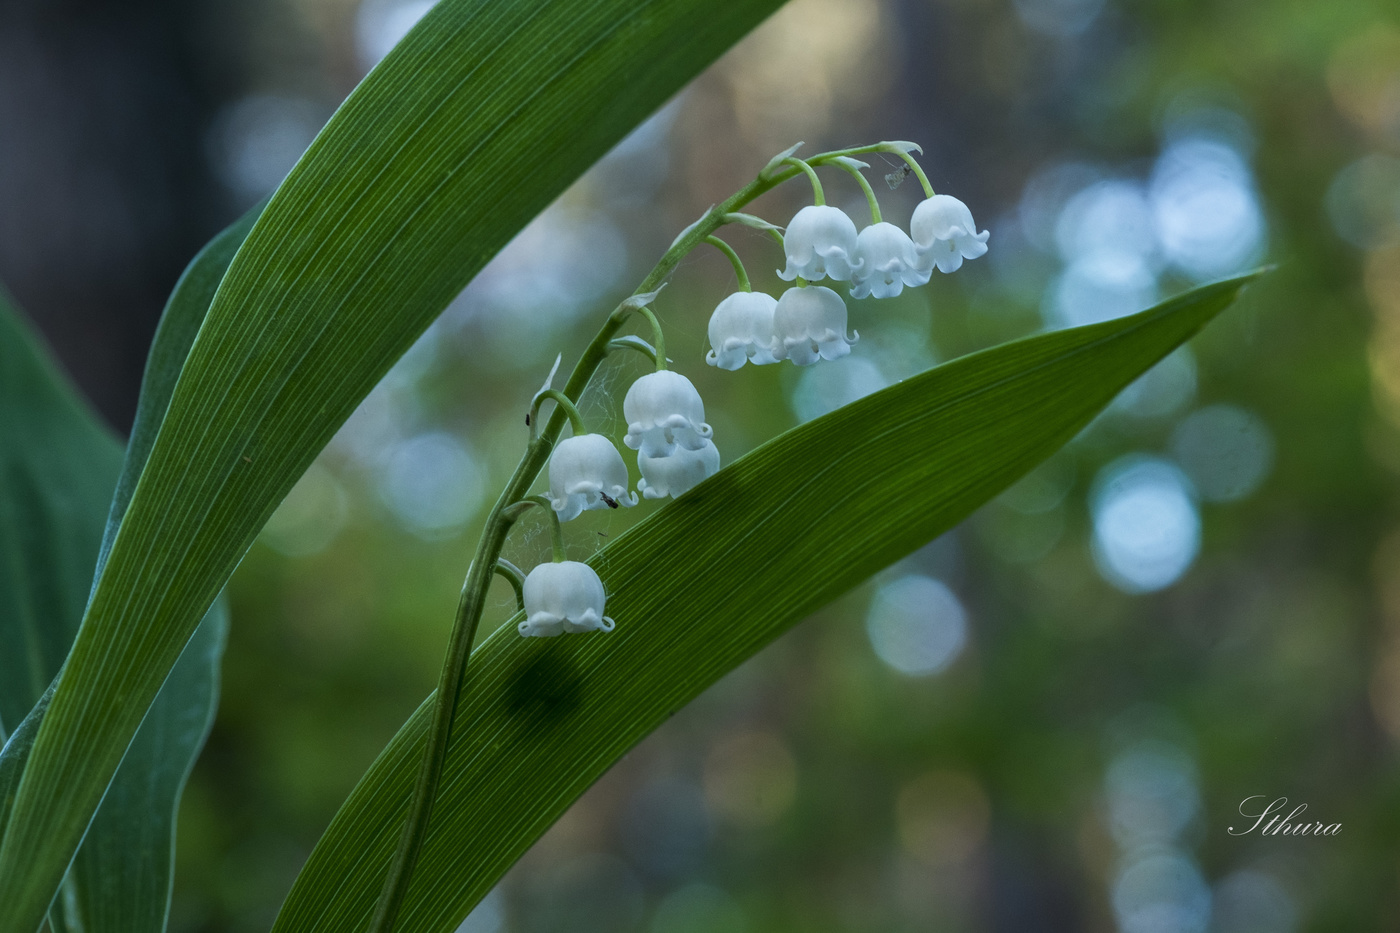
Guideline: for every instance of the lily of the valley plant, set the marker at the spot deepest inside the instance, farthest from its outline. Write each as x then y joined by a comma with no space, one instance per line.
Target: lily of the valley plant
283,325
665,414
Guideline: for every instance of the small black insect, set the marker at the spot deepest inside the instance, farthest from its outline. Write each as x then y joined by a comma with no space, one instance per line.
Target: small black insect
612,503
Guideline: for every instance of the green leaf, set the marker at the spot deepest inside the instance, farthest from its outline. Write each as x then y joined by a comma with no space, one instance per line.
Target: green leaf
57,468
122,876
121,880
179,325
701,585
467,130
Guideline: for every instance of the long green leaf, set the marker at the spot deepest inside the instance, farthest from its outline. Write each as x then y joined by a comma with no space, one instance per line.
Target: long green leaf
704,583
121,879
467,130
58,465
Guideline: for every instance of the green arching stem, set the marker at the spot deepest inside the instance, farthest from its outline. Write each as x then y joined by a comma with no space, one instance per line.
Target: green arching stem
918,172
556,532
562,400
453,681
516,577
728,250
864,186
818,196
647,313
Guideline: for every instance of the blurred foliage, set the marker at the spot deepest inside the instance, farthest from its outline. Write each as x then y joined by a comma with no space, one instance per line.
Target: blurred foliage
818,788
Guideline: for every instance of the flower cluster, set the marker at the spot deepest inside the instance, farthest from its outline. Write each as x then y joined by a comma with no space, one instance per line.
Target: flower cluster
808,322
666,426
664,413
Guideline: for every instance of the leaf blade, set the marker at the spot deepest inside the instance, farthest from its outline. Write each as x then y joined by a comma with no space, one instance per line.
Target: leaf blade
562,710
366,241
58,464
121,878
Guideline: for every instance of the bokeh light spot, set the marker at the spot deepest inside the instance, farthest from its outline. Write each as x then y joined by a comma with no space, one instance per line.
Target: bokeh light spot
1162,893
1363,201
1063,18
825,388
254,142
942,817
381,24
432,484
1225,450
1100,287
916,625
1250,901
1205,209
1152,794
1146,526
1162,391
699,908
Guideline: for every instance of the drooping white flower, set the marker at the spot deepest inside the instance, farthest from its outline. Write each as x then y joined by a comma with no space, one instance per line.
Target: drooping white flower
587,472
820,242
885,263
810,323
945,234
678,473
664,412
566,596
741,330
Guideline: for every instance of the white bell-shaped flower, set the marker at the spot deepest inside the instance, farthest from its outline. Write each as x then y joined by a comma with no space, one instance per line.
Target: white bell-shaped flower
664,412
741,330
820,242
810,323
587,472
566,596
678,473
945,234
885,263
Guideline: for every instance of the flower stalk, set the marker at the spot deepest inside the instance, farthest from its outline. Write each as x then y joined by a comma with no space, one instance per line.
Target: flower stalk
454,680
734,261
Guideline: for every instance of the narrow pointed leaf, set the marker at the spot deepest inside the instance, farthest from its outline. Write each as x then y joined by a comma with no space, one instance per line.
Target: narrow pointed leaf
704,583
58,465
464,132
121,879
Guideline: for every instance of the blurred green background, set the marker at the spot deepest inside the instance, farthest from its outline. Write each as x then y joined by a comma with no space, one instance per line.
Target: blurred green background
1047,719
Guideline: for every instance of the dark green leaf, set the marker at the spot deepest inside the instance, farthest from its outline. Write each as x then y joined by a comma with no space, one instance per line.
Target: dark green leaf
120,881
57,468
704,583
